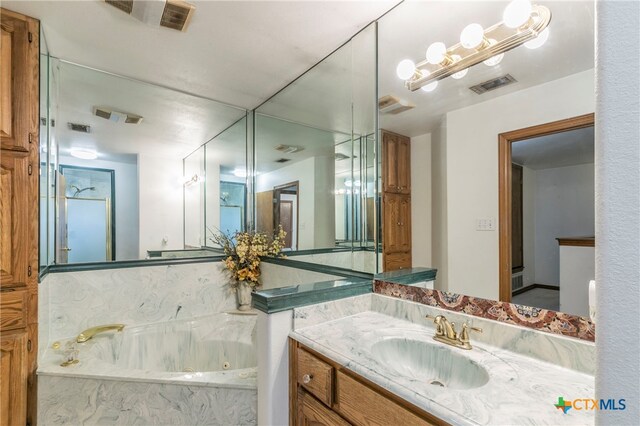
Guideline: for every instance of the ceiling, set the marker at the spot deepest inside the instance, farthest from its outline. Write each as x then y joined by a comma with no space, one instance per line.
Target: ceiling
238,52
557,150
173,125
569,50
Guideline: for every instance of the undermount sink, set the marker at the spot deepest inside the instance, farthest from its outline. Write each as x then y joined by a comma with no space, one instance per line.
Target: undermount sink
429,362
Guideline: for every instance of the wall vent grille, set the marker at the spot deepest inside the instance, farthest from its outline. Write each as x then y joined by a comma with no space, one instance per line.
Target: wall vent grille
176,15
493,84
124,5
84,128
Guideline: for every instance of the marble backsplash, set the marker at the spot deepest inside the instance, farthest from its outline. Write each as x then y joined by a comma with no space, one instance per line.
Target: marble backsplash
578,355
70,302
524,316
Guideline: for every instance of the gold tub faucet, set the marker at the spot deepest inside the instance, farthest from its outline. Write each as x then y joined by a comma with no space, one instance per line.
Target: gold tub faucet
89,333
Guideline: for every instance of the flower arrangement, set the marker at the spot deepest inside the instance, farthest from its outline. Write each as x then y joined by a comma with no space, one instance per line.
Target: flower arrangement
244,251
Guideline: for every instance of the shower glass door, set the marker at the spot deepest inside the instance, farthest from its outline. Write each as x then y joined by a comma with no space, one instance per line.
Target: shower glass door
86,214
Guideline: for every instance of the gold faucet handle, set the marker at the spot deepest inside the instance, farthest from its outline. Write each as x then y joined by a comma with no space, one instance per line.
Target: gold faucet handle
464,334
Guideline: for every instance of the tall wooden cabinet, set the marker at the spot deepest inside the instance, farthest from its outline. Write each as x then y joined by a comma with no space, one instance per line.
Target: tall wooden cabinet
19,165
396,201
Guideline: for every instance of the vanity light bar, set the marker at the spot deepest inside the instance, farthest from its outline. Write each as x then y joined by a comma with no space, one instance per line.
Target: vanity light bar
505,39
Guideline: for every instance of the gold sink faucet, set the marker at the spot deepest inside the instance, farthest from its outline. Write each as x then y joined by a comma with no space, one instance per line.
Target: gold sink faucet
89,333
446,332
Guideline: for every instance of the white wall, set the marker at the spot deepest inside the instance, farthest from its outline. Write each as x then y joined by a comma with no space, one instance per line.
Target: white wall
160,203
529,225
472,172
564,207
439,222
421,200
126,199
617,207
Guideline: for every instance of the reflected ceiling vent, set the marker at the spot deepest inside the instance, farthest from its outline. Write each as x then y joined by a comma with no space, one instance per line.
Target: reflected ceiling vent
289,149
493,84
283,160
124,5
84,128
116,116
340,156
391,105
174,14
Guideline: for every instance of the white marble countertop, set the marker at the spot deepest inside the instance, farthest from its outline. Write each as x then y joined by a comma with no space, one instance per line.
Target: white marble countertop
521,390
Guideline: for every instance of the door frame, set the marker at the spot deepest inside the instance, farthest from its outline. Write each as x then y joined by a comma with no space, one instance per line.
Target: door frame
504,187
277,190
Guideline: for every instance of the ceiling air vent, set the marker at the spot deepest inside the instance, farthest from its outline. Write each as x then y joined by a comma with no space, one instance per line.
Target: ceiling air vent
289,149
84,128
176,15
283,160
124,5
391,105
496,83
116,116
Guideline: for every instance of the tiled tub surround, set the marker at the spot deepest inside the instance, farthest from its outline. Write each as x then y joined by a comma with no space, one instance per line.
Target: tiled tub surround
536,318
527,370
177,372
146,298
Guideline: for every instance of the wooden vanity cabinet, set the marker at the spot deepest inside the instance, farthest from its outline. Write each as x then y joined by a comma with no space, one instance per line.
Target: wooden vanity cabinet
396,201
321,392
19,166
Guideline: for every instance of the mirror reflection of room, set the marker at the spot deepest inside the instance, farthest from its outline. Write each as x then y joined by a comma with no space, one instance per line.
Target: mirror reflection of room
451,128
123,190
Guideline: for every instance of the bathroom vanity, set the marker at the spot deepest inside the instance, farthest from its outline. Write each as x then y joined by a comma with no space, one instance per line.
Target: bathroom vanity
372,359
324,392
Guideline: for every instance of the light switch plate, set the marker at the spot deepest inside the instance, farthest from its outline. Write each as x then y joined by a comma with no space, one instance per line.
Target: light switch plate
486,224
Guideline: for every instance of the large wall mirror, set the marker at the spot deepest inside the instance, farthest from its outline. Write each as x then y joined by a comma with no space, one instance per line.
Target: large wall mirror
542,237
315,165
135,170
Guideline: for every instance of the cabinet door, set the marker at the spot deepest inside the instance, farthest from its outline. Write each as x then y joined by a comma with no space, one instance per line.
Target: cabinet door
13,359
404,223
313,413
18,80
390,162
14,239
403,165
397,223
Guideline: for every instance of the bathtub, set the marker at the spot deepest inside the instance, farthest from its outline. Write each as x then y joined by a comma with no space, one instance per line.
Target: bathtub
200,371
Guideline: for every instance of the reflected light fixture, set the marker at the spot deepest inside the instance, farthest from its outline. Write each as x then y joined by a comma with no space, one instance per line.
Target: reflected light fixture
83,154
523,23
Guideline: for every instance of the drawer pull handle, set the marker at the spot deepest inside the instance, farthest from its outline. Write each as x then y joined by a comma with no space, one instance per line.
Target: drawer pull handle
307,378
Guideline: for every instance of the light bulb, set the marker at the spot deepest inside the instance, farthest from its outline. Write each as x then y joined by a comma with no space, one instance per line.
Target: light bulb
436,53
472,36
84,154
460,74
494,60
430,87
517,13
538,41
406,68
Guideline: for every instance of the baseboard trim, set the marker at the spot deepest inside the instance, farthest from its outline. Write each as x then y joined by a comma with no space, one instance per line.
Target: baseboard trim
534,286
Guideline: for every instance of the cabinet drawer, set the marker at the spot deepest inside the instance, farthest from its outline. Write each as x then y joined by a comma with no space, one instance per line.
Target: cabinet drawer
312,412
395,261
364,406
12,310
315,375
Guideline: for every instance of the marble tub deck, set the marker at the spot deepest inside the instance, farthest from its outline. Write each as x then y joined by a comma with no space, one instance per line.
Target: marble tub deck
520,390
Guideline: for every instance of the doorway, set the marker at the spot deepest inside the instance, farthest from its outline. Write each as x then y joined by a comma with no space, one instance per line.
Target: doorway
512,238
285,212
